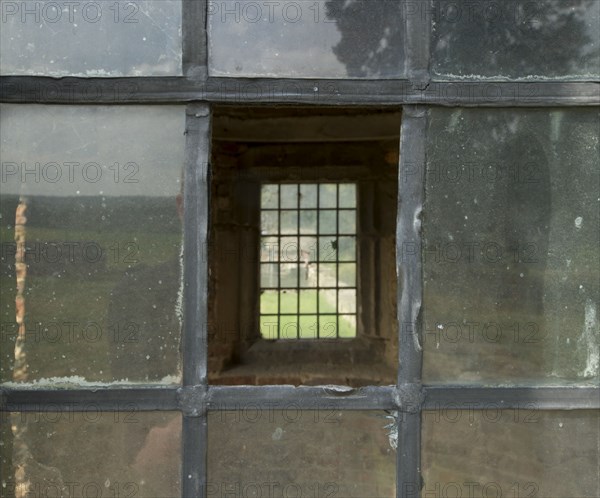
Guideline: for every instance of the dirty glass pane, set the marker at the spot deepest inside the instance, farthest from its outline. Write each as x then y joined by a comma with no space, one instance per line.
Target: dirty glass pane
91,243
510,452
105,38
140,453
118,38
320,39
516,39
300,452
511,261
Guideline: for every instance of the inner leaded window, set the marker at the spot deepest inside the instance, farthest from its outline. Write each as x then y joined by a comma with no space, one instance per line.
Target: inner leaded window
308,283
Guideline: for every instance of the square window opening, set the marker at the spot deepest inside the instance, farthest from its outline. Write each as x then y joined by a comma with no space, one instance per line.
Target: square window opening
302,246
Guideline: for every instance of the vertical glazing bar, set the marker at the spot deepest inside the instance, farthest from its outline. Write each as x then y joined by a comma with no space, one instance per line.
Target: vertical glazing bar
195,38
196,209
318,259
298,263
417,16
337,261
279,256
410,273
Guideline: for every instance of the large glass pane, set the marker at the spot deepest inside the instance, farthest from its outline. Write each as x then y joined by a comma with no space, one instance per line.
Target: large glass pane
286,451
91,243
516,39
320,39
511,261
104,38
93,453
516,452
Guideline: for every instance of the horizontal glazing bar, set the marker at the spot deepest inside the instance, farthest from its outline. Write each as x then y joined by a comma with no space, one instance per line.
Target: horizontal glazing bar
371,397
31,89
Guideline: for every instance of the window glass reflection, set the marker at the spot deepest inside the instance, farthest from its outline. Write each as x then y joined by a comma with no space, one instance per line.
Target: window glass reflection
504,451
511,262
126,453
91,243
104,38
516,40
272,450
321,39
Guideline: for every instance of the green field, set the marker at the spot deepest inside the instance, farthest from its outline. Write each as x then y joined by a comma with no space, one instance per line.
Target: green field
307,324
66,303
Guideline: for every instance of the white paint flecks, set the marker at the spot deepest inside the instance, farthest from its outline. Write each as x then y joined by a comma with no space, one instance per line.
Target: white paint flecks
78,381
392,428
589,340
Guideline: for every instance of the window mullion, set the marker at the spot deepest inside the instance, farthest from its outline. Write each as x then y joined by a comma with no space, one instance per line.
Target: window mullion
194,441
409,270
195,39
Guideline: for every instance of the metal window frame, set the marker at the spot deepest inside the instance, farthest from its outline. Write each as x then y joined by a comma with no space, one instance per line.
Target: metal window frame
194,398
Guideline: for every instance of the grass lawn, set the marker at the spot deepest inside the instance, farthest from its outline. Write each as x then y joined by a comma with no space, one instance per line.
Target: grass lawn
309,323
60,305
